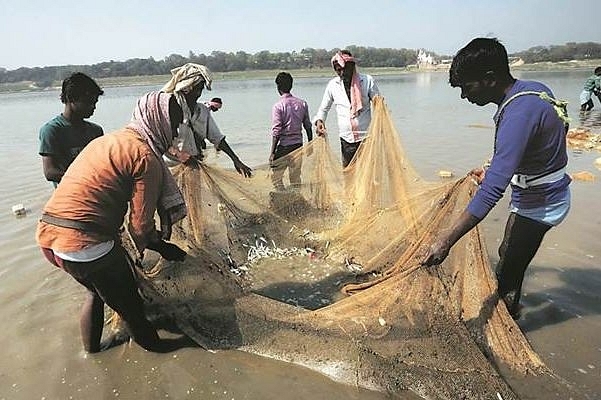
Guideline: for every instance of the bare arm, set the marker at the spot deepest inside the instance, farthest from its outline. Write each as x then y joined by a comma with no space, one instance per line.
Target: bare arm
51,171
239,165
442,245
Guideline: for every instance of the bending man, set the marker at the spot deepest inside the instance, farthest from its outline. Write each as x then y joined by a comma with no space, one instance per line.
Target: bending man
79,228
529,153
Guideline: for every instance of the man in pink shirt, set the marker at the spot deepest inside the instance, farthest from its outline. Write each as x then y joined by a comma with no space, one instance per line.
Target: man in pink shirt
289,115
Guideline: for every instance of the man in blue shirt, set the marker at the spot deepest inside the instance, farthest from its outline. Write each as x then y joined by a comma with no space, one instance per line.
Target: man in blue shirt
63,137
529,153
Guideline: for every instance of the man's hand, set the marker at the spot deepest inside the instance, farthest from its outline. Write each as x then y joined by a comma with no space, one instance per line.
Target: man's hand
477,174
439,250
320,128
242,169
167,250
181,156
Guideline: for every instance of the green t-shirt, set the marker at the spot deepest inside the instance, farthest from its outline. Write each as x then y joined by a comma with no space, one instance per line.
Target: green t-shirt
62,141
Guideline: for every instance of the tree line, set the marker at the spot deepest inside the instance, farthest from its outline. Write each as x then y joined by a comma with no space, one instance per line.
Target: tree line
566,52
307,58
217,61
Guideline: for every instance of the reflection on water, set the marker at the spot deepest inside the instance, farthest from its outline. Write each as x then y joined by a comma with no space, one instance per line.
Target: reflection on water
438,130
590,119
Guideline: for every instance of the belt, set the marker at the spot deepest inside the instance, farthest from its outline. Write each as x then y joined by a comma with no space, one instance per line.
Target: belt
525,181
84,226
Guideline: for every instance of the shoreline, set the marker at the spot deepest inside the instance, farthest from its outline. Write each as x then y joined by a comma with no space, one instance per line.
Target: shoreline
27,86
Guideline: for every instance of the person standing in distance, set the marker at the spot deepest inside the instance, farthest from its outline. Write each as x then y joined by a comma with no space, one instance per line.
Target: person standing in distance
592,85
214,104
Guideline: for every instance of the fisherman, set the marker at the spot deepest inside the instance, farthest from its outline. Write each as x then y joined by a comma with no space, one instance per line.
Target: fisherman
187,83
79,228
529,153
288,116
351,93
64,136
214,104
592,85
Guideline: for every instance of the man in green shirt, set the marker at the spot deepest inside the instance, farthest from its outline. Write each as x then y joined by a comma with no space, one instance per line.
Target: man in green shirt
64,136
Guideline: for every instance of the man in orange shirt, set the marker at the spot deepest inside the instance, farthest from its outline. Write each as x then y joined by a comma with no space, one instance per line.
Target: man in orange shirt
79,228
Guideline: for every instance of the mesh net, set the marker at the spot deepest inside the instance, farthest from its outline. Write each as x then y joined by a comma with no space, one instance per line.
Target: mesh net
325,273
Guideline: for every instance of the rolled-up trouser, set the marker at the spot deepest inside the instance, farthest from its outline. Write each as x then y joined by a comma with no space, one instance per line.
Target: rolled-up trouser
521,241
293,164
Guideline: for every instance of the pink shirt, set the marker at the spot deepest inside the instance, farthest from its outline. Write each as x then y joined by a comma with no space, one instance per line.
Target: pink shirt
288,116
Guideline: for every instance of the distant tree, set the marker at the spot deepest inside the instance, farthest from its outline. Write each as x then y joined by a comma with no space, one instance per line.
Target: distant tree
566,52
220,61
175,60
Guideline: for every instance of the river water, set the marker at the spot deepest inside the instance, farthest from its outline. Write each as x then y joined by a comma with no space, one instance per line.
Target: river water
39,304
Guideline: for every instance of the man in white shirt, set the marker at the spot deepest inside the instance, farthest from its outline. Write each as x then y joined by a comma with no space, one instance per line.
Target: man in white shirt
351,93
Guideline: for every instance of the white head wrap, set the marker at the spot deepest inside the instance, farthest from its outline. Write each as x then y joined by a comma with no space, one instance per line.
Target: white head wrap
184,78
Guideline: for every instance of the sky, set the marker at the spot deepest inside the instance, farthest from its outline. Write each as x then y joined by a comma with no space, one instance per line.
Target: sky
38,33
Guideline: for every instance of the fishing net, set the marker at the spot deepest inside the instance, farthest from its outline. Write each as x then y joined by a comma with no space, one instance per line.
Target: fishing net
326,273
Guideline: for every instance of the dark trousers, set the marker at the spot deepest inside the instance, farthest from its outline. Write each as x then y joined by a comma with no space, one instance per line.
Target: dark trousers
110,280
348,151
521,241
292,164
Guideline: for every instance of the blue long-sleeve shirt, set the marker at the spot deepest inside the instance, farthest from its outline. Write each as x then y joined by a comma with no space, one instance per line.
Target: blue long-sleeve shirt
531,140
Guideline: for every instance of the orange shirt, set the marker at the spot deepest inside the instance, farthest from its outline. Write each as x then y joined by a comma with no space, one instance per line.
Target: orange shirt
112,172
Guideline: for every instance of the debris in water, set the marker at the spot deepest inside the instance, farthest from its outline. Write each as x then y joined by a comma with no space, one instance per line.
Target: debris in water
19,210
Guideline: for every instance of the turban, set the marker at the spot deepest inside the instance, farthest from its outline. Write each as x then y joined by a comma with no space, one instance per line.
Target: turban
184,78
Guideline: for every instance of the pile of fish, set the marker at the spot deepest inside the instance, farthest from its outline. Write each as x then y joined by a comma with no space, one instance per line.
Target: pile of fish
263,249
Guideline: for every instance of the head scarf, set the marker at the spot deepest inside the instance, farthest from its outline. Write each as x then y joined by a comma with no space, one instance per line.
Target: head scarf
214,103
183,80
151,121
341,59
356,99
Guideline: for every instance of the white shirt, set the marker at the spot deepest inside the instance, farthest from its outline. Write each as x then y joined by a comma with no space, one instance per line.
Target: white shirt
336,95
200,127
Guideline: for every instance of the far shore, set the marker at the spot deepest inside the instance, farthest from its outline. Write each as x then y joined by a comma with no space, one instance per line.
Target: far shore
28,86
